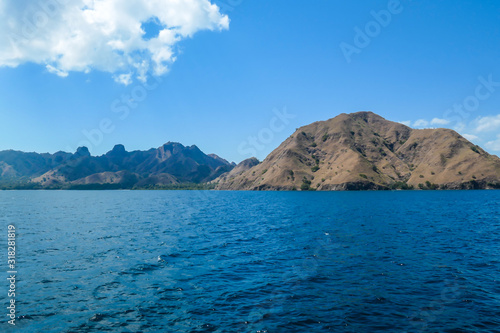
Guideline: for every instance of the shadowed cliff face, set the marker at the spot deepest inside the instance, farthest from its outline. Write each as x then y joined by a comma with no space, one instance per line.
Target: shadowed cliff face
171,163
364,151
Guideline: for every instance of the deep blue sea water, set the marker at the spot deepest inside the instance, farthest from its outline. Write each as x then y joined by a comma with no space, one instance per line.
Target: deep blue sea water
208,261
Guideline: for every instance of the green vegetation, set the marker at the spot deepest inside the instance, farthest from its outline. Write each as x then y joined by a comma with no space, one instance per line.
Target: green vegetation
428,186
99,187
324,137
316,167
401,186
475,149
182,186
313,144
494,185
93,187
264,171
306,184
362,175
472,185
21,185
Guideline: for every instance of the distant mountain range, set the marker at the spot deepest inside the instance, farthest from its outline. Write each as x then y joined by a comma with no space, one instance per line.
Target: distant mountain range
363,151
358,151
171,165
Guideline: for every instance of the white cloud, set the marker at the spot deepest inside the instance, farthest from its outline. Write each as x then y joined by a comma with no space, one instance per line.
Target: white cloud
494,144
438,121
56,71
406,122
124,79
488,123
470,137
421,123
483,129
105,35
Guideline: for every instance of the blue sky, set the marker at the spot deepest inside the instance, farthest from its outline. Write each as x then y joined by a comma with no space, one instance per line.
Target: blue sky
239,79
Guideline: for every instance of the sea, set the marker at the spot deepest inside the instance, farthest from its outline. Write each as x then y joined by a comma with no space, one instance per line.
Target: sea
217,261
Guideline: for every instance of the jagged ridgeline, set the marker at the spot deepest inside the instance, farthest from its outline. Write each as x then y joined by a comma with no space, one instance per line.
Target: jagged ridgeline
363,151
358,151
171,166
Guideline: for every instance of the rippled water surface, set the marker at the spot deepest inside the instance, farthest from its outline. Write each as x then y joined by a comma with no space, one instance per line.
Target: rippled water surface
191,261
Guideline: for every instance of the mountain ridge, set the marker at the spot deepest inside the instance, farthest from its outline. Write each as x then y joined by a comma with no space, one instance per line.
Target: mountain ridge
169,164
356,151
363,151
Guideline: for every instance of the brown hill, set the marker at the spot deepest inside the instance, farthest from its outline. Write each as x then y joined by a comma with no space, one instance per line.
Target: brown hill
238,170
364,151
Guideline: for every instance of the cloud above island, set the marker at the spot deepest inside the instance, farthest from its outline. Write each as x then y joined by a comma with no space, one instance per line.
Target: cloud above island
487,123
494,144
127,38
439,121
482,130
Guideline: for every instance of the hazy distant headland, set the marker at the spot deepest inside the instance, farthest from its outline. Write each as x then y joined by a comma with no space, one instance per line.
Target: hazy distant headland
171,166
357,151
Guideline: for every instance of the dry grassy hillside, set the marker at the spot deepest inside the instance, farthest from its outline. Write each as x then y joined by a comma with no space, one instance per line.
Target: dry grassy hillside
364,151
